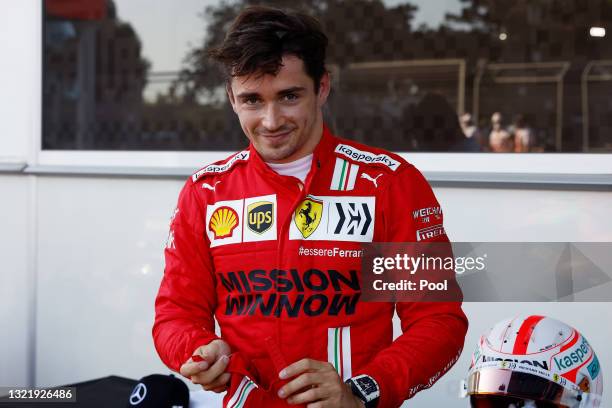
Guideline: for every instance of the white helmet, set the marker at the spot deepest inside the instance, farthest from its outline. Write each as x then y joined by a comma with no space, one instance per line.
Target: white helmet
534,361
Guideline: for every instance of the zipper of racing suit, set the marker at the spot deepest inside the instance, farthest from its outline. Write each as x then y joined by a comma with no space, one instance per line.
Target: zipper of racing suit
284,234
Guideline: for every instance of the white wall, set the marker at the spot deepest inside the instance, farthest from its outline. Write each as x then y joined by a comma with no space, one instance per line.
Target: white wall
20,32
16,282
82,256
100,262
474,215
20,78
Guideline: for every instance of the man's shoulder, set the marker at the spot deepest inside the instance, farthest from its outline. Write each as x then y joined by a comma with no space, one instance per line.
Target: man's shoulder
222,166
362,154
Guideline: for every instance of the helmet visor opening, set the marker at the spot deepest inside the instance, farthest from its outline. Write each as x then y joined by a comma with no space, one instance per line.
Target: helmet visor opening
522,386
505,401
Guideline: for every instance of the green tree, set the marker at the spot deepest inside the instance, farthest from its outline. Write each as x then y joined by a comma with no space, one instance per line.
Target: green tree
354,27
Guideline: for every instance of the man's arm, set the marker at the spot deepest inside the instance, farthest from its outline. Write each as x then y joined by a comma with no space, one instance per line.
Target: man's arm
433,332
185,303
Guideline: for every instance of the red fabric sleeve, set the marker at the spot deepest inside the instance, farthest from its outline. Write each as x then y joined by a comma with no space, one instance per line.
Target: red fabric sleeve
186,301
433,332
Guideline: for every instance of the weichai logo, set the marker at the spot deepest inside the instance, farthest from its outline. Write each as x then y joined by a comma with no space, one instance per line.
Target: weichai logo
260,216
288,292
575,356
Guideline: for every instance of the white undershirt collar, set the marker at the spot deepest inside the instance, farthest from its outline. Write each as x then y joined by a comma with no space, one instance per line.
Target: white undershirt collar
298,168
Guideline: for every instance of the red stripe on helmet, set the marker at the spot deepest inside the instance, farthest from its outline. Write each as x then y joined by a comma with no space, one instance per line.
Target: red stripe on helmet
574,340
524,334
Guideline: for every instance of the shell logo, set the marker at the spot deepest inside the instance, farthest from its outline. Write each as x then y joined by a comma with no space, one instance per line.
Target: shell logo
223,222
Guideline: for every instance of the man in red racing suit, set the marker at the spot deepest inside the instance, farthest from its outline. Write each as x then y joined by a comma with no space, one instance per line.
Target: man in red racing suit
276,262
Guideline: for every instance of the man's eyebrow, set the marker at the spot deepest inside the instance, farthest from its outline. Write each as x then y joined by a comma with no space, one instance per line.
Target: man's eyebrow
293,89
245,95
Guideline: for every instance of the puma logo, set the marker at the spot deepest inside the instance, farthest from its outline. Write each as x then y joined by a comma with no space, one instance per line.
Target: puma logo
209,187
369,178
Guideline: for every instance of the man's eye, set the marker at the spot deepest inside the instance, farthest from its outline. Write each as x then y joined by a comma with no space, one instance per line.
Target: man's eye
250,101
290,97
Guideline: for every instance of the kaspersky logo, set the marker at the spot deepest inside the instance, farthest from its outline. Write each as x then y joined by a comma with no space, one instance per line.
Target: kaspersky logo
367,157
567,360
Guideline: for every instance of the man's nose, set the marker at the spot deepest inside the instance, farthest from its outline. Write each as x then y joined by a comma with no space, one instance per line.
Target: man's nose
272,118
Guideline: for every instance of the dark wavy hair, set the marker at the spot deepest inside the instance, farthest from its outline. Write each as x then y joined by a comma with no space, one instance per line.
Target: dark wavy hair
260,36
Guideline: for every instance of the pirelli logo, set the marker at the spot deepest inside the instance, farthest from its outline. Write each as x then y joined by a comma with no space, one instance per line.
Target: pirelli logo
430,232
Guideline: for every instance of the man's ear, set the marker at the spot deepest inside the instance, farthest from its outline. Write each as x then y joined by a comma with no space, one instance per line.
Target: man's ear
324,88
230,95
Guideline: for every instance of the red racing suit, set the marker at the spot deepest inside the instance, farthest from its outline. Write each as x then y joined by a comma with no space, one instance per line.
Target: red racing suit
277,261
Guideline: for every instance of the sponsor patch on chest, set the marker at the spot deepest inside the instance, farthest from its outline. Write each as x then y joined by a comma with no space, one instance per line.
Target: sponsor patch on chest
245,220
334,218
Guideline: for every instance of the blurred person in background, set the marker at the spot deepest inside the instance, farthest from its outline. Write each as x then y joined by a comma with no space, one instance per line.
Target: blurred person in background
470,130
500,140
522,135
436,128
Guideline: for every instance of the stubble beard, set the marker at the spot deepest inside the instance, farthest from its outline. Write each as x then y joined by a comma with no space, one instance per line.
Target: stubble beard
272,152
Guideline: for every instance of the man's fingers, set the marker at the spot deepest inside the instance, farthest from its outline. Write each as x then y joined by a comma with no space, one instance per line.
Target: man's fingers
210,375
310,395
211,352
299,367
191,368
306,380
220,381
210,357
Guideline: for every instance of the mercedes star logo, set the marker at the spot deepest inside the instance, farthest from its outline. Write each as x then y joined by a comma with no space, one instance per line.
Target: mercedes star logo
139,393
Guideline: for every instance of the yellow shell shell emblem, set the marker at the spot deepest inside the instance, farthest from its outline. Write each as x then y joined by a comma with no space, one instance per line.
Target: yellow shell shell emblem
307,216
223,222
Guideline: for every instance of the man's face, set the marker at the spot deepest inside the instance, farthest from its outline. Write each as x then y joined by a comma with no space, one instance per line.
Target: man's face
281,115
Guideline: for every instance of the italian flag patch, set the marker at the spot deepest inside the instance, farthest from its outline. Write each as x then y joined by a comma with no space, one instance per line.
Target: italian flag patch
344,176
339,350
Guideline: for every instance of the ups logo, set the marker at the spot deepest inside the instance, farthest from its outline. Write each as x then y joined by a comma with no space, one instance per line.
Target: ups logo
260,216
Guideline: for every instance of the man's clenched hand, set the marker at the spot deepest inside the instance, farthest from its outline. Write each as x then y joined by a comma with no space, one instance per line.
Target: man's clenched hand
316,384
210,373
